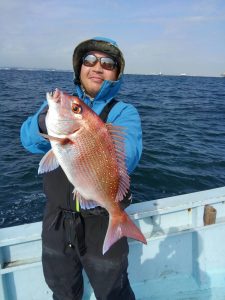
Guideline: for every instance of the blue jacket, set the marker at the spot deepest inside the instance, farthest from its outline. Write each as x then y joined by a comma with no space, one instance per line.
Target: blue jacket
122,114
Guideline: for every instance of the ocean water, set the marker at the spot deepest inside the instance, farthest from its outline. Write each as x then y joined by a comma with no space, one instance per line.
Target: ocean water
183,121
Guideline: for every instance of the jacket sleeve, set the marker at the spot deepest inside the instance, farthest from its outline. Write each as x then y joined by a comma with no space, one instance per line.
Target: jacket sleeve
127,116
31,129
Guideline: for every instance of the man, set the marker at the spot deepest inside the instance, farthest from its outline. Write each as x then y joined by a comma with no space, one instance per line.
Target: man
72,238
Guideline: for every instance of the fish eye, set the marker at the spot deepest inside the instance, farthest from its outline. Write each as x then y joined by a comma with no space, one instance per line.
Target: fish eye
76,108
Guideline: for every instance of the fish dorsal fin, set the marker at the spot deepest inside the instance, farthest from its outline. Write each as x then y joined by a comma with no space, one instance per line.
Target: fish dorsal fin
118,136
48,163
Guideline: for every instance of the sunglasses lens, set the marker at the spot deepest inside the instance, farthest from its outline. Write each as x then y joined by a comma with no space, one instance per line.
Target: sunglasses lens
107,63
89,60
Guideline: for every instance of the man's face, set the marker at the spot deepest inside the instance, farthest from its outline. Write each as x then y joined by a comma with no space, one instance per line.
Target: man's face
92,77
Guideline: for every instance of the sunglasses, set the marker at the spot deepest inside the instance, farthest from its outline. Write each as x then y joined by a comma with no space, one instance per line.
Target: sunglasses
107,63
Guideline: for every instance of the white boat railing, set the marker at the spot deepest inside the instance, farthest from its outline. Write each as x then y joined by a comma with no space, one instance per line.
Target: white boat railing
181,249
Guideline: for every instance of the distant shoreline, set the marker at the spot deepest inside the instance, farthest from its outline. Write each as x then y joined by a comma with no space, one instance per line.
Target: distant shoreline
71,71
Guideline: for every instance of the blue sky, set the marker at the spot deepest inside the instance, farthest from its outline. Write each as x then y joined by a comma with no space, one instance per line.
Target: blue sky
168,36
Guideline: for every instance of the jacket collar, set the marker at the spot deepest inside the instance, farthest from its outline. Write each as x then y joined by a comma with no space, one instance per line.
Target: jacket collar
107,92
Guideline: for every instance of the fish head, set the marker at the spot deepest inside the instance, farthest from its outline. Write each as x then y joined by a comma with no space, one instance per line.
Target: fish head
66,113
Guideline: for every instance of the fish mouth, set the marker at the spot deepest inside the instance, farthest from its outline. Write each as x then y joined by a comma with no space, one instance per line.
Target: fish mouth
54,95
54,92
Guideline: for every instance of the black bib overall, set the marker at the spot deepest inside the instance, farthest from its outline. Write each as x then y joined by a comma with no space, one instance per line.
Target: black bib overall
72,241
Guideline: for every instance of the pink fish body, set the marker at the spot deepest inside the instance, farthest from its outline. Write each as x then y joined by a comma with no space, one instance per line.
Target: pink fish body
91,153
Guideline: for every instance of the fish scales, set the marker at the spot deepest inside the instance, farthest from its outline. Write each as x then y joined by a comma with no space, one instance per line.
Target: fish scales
93,162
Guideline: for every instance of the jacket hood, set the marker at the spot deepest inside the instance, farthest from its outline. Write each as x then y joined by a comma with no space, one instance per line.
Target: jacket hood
102,44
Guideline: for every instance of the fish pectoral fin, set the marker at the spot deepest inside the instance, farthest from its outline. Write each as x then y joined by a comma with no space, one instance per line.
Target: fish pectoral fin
48,163
84,203
61,140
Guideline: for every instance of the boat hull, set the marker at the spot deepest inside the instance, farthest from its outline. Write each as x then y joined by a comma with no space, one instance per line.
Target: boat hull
183,259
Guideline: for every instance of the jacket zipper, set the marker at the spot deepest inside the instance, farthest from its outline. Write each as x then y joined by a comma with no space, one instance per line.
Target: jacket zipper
91,100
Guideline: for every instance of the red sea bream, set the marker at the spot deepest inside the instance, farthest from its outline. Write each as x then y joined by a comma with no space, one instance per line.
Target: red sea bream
91,153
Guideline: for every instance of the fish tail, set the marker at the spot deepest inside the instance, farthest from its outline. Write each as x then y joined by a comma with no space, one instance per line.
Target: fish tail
120,227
